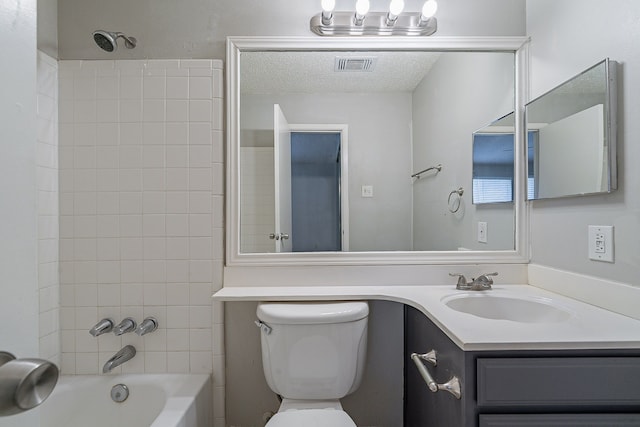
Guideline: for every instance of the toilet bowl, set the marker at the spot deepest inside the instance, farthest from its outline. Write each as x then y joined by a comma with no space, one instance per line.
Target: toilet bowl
313,354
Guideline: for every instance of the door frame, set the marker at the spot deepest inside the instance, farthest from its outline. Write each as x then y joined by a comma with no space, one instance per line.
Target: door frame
282,181
343,130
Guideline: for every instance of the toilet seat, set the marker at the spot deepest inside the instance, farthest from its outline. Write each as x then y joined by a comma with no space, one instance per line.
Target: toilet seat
311,418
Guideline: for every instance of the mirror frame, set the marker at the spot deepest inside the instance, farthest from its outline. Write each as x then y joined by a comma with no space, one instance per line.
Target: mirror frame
236,45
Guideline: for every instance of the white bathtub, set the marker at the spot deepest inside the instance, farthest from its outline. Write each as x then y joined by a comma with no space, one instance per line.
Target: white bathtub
163,400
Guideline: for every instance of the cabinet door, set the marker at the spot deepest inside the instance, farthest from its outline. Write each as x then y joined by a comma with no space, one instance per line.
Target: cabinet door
561,420
424,408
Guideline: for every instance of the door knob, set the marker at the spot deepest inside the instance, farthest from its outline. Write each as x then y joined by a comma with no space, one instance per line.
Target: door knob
283,236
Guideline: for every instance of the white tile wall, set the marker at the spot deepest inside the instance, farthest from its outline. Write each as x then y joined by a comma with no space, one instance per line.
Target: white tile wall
141,214
47,181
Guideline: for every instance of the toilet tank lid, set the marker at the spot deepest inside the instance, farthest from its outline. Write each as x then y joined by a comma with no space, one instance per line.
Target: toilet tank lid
309,313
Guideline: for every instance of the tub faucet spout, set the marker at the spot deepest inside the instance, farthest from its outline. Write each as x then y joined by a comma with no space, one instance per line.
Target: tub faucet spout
126,353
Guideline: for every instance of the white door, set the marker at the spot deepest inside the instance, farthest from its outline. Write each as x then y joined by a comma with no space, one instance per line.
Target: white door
282,174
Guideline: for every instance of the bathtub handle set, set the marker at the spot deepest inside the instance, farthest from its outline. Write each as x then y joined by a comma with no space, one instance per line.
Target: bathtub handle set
24,383
128,324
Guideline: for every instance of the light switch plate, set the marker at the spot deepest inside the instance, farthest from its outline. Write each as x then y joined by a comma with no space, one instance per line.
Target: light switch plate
601,243
482,232
367,191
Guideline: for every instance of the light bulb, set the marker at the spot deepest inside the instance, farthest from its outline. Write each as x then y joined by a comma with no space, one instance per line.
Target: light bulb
429,9
327,9
328,5
362,7
396,7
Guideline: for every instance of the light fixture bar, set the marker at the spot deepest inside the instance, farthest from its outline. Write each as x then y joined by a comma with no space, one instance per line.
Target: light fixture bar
375,24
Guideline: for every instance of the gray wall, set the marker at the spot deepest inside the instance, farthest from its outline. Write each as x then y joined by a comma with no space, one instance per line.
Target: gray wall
379,155
48,27
561,47
198,28
377,403
462,93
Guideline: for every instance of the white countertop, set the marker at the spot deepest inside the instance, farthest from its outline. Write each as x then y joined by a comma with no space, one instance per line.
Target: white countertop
588,327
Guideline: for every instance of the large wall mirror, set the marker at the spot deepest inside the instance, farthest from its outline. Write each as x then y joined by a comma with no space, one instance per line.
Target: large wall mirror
574,129
359,150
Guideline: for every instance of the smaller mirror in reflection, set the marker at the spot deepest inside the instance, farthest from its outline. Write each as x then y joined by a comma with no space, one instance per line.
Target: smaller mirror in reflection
492,180
574,136
493,161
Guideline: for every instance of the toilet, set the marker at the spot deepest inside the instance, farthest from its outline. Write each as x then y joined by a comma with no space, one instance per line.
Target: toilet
313,354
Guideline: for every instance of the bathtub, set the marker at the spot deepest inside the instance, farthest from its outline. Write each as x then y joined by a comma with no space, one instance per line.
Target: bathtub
162,400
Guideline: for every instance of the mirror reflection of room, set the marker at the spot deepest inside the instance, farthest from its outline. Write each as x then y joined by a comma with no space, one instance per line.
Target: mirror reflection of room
405,112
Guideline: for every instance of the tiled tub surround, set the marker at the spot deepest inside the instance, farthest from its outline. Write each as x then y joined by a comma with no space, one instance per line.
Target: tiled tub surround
47,180
141,214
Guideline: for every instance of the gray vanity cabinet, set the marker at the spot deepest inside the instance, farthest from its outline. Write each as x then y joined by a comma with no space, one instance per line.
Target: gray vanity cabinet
576,388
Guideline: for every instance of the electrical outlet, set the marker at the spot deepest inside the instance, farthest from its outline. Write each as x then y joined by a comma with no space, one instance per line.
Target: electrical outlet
367,191
601,243
482,232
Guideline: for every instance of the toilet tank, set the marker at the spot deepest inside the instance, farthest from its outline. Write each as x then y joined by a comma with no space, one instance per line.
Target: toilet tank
313,350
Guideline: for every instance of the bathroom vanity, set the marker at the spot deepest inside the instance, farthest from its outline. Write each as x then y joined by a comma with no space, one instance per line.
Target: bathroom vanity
553,361
519,387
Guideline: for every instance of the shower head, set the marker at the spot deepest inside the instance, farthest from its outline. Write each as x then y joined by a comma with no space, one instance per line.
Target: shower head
107,40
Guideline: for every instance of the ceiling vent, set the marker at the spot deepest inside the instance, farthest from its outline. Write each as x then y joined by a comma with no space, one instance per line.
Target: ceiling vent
353,63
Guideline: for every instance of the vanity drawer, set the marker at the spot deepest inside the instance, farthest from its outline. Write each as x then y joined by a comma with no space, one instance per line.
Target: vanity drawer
558,382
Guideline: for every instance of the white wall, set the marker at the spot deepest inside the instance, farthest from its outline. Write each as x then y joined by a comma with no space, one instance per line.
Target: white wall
379,155
141,214
462,93
562,45
18,190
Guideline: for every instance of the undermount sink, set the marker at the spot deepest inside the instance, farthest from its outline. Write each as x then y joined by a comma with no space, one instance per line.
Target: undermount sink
501,307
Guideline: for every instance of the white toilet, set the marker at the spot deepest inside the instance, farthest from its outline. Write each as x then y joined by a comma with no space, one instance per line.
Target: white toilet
313,354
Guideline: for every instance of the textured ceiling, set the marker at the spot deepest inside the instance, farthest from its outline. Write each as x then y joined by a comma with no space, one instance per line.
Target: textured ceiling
312,72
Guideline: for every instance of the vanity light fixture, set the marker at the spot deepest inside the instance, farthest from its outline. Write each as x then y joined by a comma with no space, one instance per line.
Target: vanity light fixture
395,22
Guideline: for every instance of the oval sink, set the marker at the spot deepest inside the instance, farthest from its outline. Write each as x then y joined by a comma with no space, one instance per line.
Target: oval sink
500,307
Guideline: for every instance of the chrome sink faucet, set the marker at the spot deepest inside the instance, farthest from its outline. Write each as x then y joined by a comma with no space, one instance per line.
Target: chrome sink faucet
481,283
125,354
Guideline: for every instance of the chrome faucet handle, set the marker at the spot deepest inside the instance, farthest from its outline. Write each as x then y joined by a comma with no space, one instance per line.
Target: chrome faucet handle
102,327
127,325
483,281
149,324
462,281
